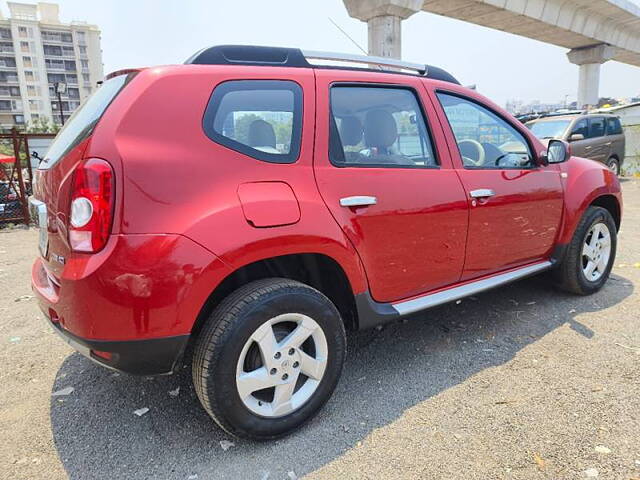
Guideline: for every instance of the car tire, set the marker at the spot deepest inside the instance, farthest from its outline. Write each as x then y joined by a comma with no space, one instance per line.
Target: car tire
229,363
588,260
614,165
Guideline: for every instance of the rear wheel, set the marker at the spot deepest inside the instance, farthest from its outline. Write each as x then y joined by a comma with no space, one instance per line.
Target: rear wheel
614,165
591,253
269,358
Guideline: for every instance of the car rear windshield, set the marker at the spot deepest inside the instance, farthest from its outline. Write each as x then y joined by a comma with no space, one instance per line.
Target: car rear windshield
549,129
82,122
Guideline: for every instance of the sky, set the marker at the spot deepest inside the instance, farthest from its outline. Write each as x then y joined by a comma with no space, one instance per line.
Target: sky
139,33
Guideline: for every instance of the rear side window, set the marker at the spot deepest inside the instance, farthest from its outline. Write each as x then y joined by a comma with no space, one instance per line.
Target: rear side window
82,122
258,118
378,126
596,127
613,126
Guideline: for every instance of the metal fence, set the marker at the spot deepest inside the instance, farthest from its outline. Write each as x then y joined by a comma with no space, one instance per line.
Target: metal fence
16,173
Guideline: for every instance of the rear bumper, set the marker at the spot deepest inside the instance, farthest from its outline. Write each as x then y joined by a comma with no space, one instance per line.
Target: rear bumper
156,356
131,306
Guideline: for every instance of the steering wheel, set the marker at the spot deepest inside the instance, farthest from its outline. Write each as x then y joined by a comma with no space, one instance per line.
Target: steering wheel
478,147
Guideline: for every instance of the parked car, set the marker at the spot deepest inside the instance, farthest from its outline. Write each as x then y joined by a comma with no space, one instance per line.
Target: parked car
10,207
599,137
240,212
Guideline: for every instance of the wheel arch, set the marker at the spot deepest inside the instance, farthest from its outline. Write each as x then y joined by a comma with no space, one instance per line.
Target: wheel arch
317,270
610,203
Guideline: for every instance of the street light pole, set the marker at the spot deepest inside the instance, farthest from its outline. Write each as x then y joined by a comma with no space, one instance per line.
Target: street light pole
60,88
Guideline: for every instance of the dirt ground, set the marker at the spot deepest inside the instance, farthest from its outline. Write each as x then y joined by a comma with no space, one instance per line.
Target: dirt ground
519,383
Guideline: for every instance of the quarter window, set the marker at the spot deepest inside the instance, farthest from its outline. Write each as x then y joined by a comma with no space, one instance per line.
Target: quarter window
613,126
378,126
484,139
259,118
596,127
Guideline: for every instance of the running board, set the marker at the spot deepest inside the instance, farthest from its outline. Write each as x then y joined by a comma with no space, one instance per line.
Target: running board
372,313
456,293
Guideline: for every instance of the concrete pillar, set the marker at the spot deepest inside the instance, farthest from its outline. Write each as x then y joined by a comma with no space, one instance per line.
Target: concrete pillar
383,19
589,60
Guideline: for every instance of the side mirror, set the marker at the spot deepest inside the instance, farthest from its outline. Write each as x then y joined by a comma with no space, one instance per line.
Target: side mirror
558,151
575,137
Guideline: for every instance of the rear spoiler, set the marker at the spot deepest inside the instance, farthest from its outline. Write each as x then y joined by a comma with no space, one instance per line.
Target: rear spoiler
124,71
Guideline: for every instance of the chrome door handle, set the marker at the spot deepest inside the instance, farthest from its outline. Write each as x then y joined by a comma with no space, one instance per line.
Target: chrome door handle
482,193
358,201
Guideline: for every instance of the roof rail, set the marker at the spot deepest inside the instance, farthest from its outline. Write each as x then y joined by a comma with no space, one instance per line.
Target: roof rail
294,57
420,68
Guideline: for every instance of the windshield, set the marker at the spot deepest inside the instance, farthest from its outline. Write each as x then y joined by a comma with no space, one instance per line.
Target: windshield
549,129
81,123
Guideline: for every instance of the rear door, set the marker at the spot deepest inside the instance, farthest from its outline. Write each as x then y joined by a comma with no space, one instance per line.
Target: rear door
597,147
615,137
379,171
515,205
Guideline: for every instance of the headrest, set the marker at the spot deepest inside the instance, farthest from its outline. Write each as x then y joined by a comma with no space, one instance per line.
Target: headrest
350,131
261,134
380,129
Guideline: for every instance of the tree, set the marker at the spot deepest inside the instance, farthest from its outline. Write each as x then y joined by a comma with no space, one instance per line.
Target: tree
241,127
43,125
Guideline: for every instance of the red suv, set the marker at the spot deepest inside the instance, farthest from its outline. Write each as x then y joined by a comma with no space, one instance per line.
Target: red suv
248,207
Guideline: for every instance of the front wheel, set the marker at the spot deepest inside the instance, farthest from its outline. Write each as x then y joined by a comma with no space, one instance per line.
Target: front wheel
590,255
269,358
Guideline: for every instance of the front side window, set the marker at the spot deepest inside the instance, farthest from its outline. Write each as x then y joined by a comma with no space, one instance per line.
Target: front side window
580,128
484,139
259,118
596,127
378,126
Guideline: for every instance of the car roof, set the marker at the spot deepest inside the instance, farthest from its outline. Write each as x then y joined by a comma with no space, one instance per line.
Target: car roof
570,116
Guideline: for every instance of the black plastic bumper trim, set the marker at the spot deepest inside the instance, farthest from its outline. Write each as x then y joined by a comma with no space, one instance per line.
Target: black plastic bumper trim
154,356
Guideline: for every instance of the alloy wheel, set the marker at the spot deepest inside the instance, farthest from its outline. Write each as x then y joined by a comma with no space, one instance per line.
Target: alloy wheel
281,365
596,252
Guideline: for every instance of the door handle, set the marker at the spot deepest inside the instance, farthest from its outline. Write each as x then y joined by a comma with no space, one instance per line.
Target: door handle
587,147
482,193
358,201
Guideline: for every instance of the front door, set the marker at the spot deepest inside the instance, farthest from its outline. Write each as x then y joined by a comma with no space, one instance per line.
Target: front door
515,205
579,145
377,168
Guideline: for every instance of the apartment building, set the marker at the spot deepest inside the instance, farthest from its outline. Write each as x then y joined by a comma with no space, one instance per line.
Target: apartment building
37,52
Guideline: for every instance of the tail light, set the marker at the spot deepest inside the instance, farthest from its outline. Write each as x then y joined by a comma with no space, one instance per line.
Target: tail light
92,198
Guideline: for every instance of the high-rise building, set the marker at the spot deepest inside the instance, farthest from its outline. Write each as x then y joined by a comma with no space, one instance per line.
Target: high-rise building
37,52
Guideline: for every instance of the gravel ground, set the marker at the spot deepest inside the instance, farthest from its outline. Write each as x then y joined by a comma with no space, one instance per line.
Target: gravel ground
522,382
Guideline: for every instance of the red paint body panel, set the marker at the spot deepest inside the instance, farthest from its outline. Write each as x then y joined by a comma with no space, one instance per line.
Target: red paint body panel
186,208
139,286
585,181
268,204
413,239
518,225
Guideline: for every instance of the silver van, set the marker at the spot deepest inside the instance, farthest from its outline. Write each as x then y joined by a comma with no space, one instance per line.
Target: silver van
598,137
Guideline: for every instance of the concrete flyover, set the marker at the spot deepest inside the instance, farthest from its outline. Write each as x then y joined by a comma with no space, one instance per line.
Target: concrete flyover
594,31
